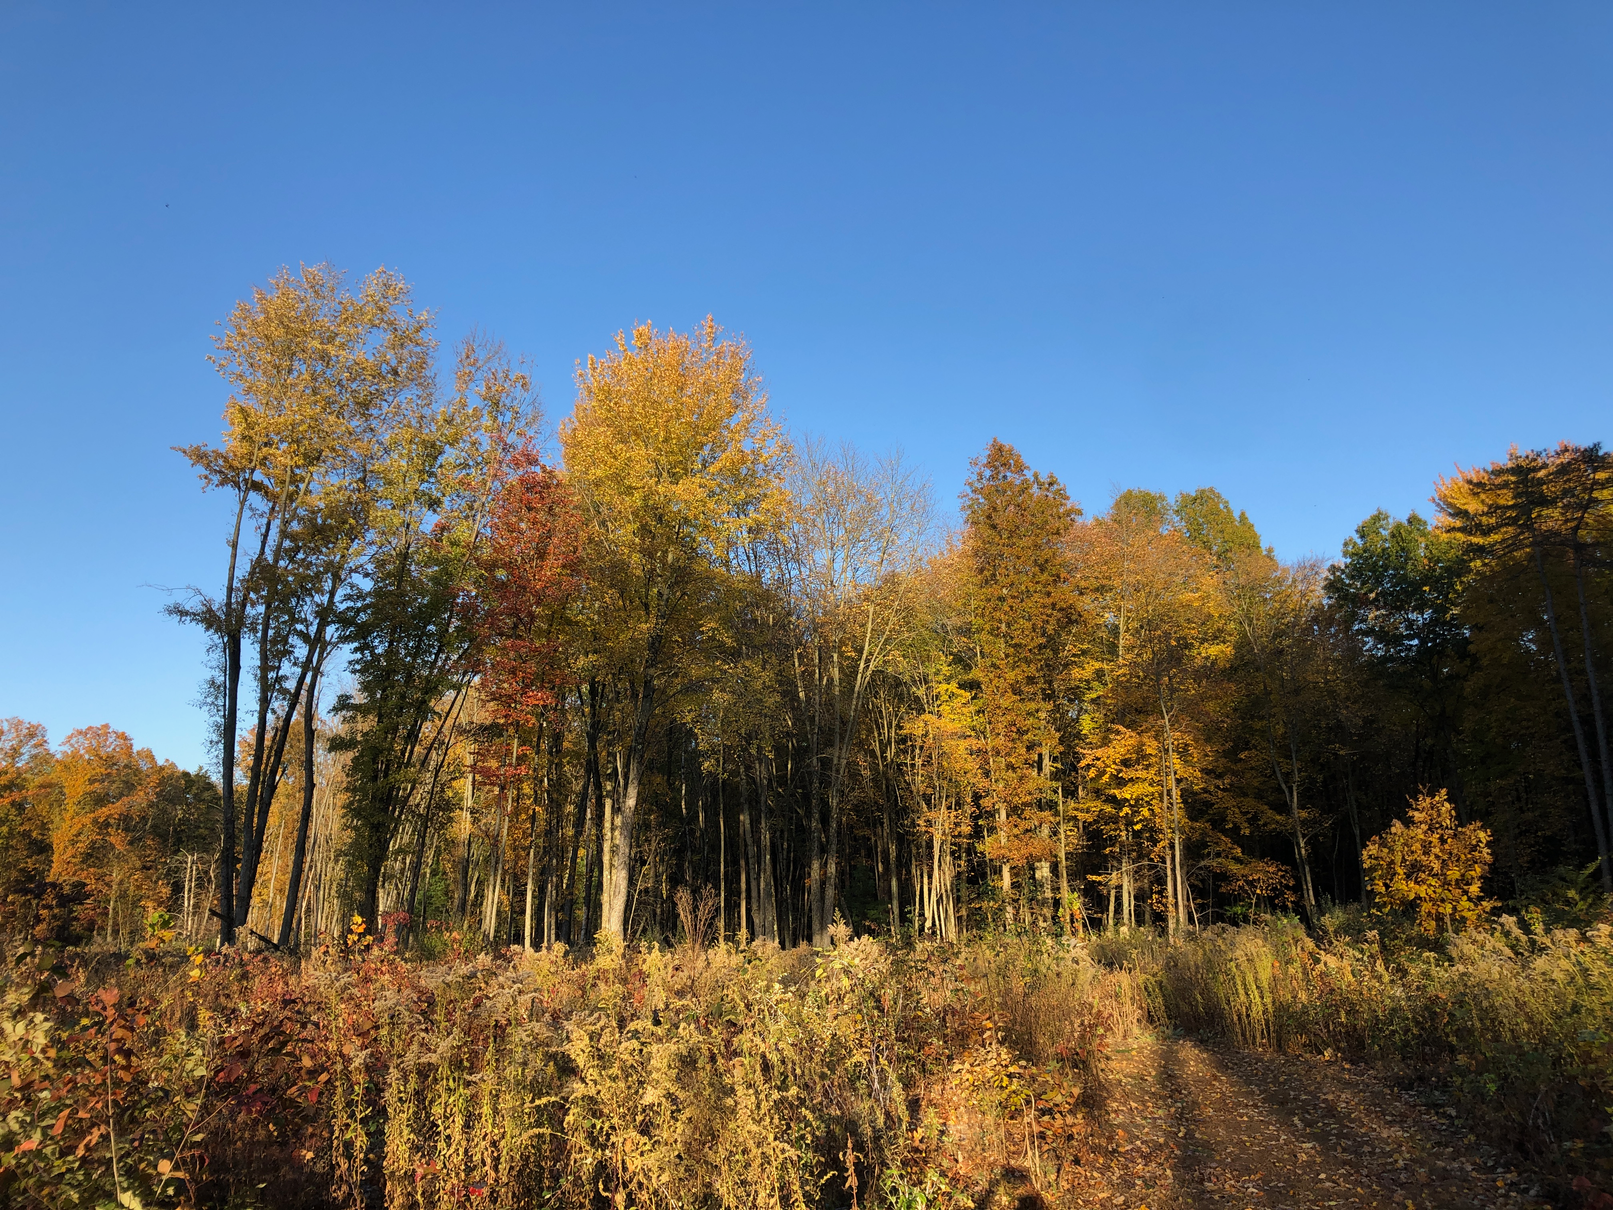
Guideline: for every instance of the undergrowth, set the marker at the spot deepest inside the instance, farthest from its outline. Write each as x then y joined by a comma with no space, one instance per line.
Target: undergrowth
709,1076
720,1076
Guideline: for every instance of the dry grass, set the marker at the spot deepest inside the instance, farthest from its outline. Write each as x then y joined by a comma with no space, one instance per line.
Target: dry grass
707,1075
703,1075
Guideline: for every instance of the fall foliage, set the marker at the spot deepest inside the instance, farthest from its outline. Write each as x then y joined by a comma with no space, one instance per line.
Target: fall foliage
1431,865
663,644
776,821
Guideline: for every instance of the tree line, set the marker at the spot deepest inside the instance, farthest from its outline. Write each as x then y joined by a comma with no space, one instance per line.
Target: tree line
667,648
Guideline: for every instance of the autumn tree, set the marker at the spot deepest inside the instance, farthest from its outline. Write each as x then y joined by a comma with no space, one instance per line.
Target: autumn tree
1018,523
105,794
942,770
673,459
408,622
1162,638
1537,511
25,760
1431,865
97,823
318,378
526,576
1278,611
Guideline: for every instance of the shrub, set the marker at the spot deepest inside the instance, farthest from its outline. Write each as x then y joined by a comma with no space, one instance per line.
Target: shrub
1430,865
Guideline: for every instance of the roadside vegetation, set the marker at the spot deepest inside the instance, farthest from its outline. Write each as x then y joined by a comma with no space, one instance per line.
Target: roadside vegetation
713,1074
695,1075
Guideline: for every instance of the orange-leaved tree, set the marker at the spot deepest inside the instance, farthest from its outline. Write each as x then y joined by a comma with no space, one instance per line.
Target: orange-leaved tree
1020,605
527,572
103,802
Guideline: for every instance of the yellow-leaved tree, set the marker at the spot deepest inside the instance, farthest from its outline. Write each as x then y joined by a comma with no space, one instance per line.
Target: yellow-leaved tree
942,769
1431,865
326,386
675,462
1150,668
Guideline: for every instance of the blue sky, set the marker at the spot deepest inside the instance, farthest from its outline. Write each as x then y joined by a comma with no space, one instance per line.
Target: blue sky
1313,255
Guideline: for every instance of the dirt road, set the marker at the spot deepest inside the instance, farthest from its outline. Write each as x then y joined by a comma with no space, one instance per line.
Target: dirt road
1202,1127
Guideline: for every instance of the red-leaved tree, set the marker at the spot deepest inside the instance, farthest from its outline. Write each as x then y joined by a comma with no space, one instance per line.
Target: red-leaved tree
529,572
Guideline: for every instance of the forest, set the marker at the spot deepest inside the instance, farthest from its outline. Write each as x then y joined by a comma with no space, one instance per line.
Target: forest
657,703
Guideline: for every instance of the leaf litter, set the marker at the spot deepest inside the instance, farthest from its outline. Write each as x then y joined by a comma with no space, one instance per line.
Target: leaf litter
1190,1124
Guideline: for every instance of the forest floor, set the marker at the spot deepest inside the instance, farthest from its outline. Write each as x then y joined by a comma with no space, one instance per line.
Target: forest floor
1195,1125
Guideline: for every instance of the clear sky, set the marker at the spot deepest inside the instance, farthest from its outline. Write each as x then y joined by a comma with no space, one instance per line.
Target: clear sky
1311,254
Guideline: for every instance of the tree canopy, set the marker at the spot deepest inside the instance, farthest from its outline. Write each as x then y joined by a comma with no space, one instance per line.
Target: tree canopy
664,645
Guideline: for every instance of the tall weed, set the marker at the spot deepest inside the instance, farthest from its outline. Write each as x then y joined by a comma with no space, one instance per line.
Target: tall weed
705,1075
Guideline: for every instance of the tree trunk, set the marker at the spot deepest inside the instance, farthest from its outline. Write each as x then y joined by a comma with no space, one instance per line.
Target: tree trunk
417,861
261,791
818,894
1290,788
1170,871
594,795
746,854
298,853
531,860
722,854
767,901
226,854
577,847
890,856
553,822
1355,828
613,911
495,872
262,783
1579,730
1596,693
462,893
1184,889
